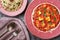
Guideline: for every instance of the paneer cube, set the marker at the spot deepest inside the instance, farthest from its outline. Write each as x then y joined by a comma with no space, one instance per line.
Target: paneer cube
40,18
39,12
47,18
53,25
43,24
37,23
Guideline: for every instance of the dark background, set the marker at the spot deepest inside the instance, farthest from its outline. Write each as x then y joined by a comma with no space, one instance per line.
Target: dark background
21,16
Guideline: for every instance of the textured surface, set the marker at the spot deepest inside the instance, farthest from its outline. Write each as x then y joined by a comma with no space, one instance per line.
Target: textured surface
21,16
6,23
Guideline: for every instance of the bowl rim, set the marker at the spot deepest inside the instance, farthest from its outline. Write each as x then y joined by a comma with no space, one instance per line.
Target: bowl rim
19,22
14,13
28,20
35,9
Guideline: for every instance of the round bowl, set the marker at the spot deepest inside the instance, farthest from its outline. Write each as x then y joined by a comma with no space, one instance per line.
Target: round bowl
28,21
14,13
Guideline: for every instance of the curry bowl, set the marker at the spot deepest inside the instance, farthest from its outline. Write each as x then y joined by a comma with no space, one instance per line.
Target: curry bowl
42,18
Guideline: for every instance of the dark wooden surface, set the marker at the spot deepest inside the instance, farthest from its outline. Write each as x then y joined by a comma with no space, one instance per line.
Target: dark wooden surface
21,16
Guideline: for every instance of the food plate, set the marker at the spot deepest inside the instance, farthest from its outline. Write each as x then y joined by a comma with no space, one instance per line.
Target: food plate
32,28
15,26
12,13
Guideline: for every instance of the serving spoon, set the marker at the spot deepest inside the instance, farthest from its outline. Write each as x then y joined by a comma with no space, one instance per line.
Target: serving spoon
14,34
11,35
10,27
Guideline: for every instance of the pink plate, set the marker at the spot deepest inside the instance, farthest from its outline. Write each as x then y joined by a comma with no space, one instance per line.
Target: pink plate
29,24
15,12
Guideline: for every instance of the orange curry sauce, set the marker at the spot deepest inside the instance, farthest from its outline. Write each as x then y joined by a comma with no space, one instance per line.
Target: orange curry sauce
45,17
